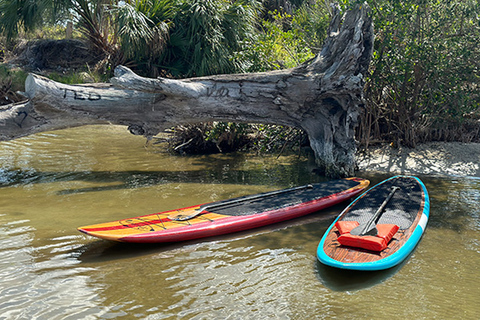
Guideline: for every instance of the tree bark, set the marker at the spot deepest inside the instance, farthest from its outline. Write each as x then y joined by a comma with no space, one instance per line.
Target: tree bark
323,96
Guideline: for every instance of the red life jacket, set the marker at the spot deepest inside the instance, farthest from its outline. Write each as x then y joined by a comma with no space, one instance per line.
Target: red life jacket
373,243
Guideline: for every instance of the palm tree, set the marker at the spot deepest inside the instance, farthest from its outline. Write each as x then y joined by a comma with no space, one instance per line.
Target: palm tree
143,28
15,15
142,32
207,33
204,38
91,16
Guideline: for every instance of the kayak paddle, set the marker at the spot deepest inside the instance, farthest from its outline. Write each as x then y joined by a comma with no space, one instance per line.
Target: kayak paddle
369,229
202,209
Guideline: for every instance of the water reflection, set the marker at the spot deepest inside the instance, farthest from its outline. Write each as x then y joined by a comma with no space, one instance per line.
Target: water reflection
139,179
33,276
457,201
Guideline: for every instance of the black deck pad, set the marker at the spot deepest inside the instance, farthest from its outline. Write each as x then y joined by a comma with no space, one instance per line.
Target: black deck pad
278,201
400,210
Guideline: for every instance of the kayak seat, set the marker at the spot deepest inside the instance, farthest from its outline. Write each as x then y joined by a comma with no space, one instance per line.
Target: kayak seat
374,243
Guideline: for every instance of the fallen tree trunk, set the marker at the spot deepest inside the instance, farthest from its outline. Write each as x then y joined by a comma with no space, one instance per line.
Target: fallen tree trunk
322,96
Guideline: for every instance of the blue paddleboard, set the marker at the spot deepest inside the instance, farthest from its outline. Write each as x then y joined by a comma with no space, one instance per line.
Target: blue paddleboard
380,228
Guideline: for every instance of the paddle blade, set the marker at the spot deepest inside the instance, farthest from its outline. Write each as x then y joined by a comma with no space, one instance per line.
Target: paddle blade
186,214
181,217
364,230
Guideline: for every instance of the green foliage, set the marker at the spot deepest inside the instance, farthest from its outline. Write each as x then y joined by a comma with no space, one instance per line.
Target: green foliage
425,70
11,81
208,137
206,35
95,22
214,137
228,136
280,44
274,138
17,16
76,77
219,128
15,76
143,29
92,18
312,21
53,32
26,14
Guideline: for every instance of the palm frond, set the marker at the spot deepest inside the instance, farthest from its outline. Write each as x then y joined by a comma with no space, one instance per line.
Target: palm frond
144,27
23,13
208,32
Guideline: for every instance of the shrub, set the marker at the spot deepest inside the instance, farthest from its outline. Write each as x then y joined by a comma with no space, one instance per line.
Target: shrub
424,72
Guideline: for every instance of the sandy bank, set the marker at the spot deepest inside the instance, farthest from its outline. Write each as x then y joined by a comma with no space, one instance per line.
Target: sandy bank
435,158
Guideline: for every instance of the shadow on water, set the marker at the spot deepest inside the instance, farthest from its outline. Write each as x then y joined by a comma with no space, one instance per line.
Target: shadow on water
100,251
353,280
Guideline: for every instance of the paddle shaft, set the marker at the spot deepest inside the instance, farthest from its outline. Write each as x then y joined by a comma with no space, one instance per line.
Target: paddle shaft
181,217
370,225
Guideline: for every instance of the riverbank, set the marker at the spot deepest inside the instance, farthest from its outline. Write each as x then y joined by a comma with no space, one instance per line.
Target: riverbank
433,158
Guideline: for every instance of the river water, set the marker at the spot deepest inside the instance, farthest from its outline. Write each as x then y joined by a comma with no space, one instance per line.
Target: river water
52,183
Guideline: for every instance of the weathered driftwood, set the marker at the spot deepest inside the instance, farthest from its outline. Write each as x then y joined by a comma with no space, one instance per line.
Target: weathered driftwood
322,96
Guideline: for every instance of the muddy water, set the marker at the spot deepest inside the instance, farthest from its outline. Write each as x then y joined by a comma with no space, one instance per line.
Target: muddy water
52,183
